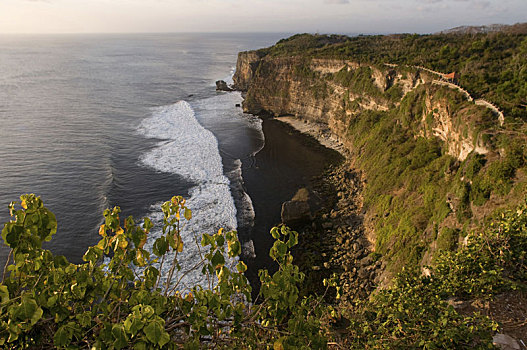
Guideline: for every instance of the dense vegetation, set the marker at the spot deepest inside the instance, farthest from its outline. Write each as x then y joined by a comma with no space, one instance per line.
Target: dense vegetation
414,185
414,312
493,66
122,302
118,303
419,196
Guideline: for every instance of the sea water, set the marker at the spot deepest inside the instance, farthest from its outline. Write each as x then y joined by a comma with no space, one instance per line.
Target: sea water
92,121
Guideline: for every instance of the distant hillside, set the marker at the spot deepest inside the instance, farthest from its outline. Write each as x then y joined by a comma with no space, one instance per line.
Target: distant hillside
518,28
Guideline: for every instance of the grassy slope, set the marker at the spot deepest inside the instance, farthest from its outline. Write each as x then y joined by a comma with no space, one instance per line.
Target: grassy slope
411,180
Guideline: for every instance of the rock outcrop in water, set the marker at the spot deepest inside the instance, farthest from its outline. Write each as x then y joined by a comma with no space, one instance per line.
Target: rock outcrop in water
222,86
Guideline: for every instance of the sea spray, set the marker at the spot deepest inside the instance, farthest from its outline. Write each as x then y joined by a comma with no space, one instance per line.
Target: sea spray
219,113
188,149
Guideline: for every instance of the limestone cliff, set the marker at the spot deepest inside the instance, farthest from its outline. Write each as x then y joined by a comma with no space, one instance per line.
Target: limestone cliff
334,91
427,151
246,66
433,156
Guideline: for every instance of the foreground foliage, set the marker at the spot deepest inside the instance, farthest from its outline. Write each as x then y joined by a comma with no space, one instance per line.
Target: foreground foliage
121,302
415,312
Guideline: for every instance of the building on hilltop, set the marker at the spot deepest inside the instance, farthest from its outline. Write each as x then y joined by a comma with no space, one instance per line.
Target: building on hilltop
451,77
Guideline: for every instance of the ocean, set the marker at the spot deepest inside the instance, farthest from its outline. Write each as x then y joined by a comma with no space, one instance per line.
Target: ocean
88,122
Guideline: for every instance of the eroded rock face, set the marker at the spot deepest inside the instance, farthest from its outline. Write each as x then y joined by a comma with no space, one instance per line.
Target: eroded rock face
246,66
325,66
453,128
305,88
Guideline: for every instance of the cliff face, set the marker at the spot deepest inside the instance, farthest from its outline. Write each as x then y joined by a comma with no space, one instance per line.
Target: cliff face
334,92
455,128
430,162
246,66
426,150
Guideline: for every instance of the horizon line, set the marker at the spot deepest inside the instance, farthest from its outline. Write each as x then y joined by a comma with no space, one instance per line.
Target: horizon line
356,33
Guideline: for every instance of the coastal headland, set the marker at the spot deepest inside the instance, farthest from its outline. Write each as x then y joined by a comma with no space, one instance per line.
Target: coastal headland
425,165
410,234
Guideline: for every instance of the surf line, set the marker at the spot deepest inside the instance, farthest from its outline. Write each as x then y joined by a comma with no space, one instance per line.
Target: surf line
188,149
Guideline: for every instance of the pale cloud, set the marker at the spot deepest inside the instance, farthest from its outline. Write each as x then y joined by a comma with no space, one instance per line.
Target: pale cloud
475,3
482,4
323,16
430,5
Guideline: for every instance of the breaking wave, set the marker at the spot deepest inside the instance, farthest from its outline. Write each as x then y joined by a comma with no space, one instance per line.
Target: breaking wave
188,149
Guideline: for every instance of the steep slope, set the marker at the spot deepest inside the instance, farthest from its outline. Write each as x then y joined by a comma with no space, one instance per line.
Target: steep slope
434,161
334,92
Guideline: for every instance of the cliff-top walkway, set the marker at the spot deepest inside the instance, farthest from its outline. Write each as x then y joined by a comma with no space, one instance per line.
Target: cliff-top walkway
442,81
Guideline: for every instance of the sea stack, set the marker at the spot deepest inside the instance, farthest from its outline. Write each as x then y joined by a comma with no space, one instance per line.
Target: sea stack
222,86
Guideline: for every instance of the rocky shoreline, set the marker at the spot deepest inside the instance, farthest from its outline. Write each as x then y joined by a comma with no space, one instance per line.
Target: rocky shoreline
333,239
328,215
320,132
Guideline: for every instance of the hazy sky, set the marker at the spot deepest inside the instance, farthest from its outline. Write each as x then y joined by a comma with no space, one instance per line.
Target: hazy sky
323,16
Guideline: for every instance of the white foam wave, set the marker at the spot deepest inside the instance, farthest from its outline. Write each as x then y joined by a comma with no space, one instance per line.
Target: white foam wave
248,249
244,204
222,105
219,111
191,151
246,210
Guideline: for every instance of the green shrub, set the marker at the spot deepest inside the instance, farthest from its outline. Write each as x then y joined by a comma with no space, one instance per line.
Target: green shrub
413,315
480,191
447,239
492,261
473,164
47,302
414,312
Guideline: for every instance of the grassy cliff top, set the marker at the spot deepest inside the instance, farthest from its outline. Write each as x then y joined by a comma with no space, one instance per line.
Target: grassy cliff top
490,65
